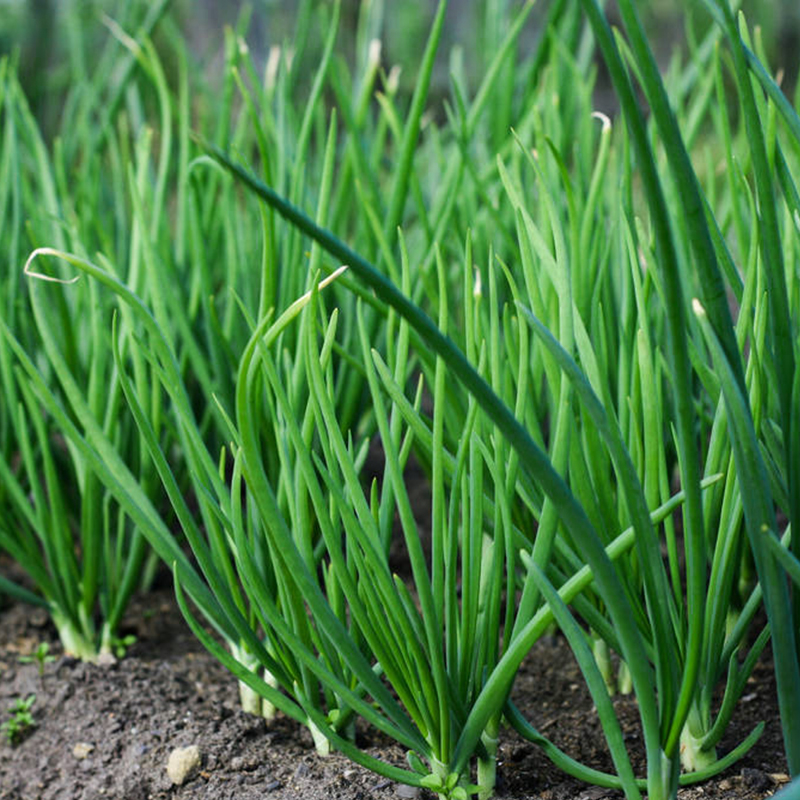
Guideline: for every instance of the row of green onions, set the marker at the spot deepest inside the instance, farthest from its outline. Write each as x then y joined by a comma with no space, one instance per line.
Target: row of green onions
613,457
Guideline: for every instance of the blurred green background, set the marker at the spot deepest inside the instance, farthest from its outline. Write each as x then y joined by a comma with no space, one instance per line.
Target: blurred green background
49,35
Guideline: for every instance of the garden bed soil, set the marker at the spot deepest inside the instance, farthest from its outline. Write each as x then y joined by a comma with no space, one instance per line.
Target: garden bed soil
107,731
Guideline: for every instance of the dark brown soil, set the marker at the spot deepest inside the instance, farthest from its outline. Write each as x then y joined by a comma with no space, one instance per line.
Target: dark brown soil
168,692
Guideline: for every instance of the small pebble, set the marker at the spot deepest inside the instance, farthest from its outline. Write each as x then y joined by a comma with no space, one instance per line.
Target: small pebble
271,787
240,763
183,763
302,771
595,793
82,749
407,792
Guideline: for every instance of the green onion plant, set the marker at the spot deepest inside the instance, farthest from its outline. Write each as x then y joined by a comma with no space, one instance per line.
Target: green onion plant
81,551
676,721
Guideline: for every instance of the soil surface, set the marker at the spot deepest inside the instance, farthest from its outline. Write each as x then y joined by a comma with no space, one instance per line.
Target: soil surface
107,731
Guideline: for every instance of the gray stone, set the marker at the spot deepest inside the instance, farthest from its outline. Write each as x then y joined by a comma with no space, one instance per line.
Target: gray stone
302,771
